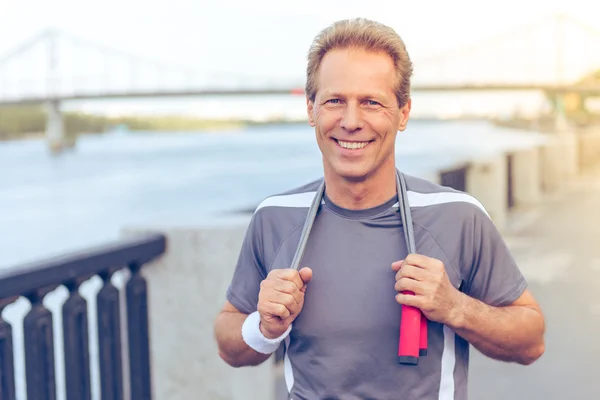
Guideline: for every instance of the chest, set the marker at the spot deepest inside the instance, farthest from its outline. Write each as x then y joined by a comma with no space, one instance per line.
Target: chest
352,289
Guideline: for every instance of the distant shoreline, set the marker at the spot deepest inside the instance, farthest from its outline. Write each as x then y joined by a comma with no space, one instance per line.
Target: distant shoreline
26,123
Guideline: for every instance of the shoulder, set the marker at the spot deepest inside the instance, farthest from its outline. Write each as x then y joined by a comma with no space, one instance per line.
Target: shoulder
290,201
280,214
434,199
455,221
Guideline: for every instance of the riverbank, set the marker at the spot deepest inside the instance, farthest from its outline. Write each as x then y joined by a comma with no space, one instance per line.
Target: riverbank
26,122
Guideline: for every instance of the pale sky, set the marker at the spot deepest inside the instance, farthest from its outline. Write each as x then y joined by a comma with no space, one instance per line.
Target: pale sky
271,37
266,35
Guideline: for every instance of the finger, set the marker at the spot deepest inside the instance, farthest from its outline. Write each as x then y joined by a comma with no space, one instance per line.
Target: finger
396,265
291,275
277,310
407,284
287,288
408,300
271,310
306,275
412,272
291,298
419,260
287,300
416,259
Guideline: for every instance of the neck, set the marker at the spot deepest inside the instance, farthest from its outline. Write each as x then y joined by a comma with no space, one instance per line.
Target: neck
362,194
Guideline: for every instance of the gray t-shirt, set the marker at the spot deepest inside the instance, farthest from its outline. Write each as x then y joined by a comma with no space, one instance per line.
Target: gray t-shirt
344,343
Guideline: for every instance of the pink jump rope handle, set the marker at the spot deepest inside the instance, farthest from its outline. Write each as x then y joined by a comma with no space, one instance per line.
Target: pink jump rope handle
410,334
413,325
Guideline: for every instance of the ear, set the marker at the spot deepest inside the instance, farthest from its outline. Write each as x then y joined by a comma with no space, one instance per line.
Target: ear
310,106
404,115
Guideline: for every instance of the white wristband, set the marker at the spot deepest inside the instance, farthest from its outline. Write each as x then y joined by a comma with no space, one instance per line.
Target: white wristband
256,340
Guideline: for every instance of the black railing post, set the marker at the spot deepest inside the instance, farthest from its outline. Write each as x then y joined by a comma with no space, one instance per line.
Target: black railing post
76,344
109,340
39,349
35,280
138,334
510,193
7,368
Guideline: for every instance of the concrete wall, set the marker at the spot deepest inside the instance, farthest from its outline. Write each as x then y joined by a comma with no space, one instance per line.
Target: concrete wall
536,170
526,177
186,291
570,159
487,181
559,160
588,149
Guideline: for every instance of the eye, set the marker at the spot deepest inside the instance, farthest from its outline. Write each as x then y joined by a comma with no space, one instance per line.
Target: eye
333,101
372,103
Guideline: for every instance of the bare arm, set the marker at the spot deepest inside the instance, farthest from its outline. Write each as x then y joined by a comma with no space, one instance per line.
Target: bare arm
514,333
232,348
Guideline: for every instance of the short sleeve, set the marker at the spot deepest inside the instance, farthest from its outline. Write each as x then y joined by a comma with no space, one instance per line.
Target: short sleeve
249,271
493,276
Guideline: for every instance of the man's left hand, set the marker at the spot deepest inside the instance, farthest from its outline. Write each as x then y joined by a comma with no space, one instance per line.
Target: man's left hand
433,292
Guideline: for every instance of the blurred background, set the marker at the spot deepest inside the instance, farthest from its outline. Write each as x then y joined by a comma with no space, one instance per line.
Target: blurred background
126,113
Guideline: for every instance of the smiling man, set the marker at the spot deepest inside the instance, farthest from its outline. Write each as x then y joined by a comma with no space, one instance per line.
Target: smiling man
339,315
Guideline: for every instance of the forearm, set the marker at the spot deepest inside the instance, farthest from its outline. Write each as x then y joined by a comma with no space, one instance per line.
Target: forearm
232,347
512,333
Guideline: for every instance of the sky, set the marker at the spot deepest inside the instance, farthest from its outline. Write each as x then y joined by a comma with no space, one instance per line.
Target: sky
231,35
266,37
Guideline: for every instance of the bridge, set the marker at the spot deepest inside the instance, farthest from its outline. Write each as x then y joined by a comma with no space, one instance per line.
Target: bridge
551,55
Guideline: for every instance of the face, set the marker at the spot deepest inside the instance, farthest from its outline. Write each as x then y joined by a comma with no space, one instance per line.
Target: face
355,113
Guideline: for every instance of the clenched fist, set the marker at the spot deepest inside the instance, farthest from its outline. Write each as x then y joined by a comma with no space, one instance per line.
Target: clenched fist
280,299
423,283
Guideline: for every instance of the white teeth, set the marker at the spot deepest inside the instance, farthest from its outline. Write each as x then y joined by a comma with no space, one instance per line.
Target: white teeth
352,145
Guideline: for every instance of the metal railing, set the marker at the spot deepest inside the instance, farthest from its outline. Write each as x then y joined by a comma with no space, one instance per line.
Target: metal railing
34,281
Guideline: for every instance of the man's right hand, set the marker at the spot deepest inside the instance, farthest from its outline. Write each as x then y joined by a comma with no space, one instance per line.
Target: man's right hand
280,299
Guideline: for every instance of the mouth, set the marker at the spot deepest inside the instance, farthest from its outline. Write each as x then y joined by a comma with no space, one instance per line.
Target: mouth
355,145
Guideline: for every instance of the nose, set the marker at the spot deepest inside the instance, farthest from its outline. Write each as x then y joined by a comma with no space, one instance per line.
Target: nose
351,118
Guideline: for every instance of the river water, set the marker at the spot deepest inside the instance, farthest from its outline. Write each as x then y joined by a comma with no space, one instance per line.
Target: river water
54,204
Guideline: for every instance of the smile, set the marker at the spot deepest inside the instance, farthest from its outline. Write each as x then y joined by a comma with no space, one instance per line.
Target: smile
352,145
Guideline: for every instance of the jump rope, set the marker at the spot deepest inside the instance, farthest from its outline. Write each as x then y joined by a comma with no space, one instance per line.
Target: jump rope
413,326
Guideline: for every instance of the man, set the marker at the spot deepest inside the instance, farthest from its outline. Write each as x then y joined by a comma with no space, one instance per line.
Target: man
339,315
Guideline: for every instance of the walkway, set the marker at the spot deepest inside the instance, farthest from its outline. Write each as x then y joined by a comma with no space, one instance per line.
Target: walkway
560,255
